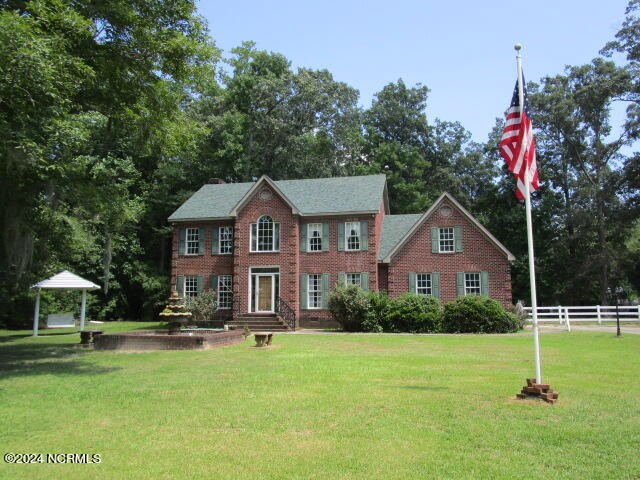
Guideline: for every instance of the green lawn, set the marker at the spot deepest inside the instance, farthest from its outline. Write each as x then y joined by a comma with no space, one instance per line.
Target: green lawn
325,407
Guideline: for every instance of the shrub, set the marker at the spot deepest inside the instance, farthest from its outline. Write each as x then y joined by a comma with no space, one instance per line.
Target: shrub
377,316
477,314
202,307
415,313
349,306
521,314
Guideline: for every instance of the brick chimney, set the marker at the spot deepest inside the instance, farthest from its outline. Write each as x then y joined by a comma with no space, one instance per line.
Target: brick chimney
215,181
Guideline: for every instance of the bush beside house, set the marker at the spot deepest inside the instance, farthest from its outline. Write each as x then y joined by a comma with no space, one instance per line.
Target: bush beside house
415,313
477,314
349,306
359,311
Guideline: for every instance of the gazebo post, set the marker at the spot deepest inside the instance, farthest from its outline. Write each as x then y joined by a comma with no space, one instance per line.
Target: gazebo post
82,308
36,314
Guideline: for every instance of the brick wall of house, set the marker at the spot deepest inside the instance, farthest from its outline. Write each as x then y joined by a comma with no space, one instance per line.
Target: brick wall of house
383,277
287,259
479,254
334,262
205,264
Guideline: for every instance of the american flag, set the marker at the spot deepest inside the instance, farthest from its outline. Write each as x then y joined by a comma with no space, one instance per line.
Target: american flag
517,145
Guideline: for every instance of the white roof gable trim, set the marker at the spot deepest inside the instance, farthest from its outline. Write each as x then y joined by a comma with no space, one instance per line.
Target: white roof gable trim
464,211
260,183
66,279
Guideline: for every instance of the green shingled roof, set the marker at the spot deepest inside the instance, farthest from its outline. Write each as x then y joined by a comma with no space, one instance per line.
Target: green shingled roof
310,197
394,228
211,201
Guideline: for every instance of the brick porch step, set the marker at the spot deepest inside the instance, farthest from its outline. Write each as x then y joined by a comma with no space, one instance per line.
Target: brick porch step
258,323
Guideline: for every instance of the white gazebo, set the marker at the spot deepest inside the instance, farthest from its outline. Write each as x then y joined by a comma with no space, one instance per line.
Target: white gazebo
67,280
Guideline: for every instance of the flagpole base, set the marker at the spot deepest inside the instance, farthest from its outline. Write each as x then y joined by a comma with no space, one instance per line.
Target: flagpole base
538,390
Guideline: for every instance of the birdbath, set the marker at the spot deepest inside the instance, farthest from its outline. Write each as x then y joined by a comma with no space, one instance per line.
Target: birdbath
175,313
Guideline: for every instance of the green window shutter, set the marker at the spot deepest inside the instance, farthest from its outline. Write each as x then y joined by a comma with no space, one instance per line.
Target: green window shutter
213,285
182,242
180,285
342,278
215,240
457,235
233,238
325,237
341,236
412,282
460,283
364,235
201,241
434,240
303,237
484,283
435,284
200,280
276,240
325,290
364,281
303,290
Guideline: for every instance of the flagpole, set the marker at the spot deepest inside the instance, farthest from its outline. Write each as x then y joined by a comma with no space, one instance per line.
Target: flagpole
527,200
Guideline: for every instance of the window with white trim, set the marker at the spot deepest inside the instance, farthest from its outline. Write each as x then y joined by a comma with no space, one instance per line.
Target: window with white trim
265,235
190,286
225,240
314,237
446,240
192,238
424,286
225,292
354,278
314,291
352,235
472,284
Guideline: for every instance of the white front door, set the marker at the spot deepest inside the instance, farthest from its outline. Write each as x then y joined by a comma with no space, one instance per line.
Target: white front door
264,292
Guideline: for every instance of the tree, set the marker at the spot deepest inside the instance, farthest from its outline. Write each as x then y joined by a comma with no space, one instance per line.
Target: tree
396,139
271,120
582,158
91,99
420,160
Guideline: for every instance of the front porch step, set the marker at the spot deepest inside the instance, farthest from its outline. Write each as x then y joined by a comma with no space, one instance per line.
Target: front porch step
259,323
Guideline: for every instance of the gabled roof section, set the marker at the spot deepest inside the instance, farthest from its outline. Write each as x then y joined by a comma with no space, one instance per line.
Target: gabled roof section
262,181
428,213
337,195
315,196
394,229
211,202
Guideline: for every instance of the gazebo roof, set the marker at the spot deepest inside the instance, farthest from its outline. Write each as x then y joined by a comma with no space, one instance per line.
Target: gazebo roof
66,279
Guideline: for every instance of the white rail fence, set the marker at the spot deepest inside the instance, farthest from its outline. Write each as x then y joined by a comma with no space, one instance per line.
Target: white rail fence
587,314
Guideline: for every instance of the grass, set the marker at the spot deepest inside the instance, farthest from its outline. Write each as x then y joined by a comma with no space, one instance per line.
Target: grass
324,407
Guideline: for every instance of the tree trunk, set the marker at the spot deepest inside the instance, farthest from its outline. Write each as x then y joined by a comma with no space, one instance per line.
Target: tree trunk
106,259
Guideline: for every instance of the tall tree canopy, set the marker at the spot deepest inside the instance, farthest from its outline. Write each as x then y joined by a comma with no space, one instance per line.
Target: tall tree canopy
268,119
91,97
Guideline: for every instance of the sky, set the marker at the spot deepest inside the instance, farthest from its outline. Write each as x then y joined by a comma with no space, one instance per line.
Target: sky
461,50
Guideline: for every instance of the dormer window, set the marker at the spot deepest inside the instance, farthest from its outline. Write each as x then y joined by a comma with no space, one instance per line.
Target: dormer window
265,235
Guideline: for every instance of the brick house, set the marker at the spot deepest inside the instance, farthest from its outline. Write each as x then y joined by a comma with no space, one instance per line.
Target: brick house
278,247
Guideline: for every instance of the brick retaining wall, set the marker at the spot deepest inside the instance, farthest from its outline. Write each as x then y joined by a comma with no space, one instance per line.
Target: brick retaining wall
159,341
